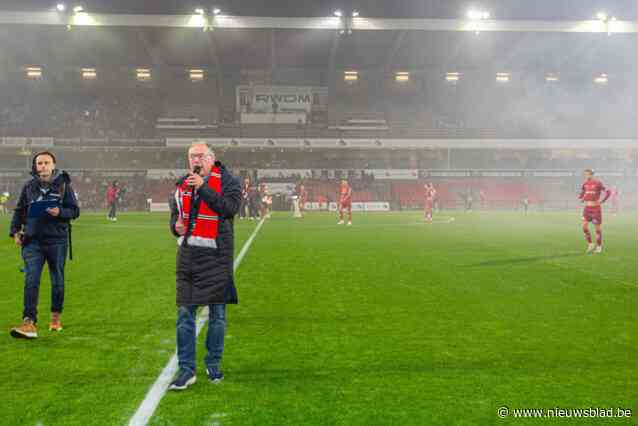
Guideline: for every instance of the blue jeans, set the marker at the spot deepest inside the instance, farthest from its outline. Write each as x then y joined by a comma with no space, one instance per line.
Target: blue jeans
186,336
34,254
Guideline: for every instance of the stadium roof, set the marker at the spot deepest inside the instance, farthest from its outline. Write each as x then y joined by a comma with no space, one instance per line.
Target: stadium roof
277,40
450,9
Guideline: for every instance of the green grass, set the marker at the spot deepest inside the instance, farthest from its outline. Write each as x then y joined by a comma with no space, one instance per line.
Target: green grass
389,321
119,325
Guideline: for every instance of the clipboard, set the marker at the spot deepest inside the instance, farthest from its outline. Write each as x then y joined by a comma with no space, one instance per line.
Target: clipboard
38,209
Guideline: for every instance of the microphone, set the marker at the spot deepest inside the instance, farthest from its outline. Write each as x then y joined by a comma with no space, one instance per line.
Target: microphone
196,171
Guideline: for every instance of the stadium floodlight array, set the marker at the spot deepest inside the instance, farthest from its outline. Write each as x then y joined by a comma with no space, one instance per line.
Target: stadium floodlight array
478,15
204,18
80,18
503,77
143,74
552,77
402,76
607,20
196,74
76,16
346,20
350,76
88,73
33,73
452,77
604,17
601,79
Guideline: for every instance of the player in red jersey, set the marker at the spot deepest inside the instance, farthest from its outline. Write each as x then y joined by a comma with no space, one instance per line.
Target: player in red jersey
590,195
113,193
430,195
345,201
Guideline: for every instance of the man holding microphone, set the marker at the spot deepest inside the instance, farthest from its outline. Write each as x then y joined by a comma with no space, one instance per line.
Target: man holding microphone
40,226
202,211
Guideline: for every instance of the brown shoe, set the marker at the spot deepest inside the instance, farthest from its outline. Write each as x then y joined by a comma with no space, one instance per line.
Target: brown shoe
27,330
55,324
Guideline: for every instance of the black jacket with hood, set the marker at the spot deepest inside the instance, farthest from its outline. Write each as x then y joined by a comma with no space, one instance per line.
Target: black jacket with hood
47,228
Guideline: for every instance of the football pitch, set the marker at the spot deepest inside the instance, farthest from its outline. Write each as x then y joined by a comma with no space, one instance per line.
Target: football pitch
389,321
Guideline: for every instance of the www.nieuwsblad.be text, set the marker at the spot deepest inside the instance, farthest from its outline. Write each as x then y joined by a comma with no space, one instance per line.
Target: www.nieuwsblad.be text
591,412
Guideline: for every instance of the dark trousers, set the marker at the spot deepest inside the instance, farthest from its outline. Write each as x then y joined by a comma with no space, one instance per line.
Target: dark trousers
243,208
35,253
113,211
253,210
187,338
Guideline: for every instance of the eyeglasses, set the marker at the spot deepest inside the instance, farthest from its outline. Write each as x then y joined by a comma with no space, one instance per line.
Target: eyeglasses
198,156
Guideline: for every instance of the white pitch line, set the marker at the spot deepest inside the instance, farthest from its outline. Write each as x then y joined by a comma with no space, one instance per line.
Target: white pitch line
246,246
159,388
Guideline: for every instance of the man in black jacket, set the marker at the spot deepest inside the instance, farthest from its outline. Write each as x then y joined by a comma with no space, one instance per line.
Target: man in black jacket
202,212
44,238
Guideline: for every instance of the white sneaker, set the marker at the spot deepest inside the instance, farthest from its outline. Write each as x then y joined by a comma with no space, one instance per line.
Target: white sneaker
349,223
340,222
590,248
599,249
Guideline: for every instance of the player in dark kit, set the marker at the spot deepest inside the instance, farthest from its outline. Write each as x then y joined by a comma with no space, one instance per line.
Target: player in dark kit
590,195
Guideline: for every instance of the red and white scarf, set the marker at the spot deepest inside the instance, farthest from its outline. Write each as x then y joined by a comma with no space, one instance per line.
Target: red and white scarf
204,233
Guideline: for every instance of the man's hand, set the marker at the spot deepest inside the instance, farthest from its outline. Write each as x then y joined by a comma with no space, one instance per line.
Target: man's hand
55,211
195,180
179,227
17,237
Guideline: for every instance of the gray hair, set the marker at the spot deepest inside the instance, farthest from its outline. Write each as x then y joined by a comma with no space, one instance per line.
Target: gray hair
209,150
